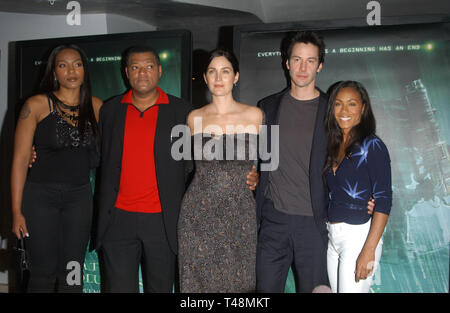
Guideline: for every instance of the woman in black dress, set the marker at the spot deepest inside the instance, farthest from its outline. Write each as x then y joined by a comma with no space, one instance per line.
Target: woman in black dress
52,202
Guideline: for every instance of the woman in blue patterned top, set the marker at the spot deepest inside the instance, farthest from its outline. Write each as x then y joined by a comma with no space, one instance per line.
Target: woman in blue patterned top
357,168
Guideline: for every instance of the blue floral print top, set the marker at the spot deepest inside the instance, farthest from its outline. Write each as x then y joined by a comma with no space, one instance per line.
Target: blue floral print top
363,174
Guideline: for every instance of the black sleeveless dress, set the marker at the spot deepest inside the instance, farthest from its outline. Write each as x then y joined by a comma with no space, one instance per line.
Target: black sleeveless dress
63,156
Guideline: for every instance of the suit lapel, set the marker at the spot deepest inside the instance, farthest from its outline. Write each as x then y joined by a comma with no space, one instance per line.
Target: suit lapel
274,110
319,129
273,117
120,124
162,139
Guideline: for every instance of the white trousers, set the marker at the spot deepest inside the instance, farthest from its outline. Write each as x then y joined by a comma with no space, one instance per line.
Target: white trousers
344,246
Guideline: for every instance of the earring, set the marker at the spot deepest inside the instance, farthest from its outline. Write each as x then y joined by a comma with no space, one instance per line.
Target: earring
55,83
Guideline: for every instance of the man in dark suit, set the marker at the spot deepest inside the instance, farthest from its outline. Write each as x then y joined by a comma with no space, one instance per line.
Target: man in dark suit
140,184
292,200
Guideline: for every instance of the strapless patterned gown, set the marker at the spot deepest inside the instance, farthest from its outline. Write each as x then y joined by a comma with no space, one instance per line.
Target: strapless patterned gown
217,222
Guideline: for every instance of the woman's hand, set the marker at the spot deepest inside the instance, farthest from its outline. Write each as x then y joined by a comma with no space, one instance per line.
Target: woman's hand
364,264
32,157
19,225
252,178
366,259
370,206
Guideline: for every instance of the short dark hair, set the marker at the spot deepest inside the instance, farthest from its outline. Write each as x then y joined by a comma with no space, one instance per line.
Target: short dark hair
221,52
140,49
306,37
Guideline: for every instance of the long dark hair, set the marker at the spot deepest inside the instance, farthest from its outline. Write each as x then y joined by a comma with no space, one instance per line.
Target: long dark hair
50,84
366,126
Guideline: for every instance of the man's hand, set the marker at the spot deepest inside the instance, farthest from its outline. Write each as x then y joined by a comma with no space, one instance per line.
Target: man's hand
252,178
32,157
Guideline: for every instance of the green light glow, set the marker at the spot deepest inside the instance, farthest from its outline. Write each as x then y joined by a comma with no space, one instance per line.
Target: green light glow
164,55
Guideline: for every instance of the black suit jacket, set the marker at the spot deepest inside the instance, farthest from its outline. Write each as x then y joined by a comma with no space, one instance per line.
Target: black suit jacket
170,174
319,198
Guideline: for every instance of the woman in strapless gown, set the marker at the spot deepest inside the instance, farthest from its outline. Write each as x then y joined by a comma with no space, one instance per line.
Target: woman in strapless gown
217,228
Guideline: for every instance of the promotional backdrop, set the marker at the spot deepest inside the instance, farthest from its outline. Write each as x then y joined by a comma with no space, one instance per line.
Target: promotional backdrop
406,70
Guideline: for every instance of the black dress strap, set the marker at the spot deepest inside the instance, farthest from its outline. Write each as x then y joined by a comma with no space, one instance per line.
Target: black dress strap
50,95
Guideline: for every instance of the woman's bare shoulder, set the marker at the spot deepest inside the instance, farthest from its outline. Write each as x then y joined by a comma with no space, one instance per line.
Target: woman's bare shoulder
96,103
36,105
200,112
37,100
253,113
34,109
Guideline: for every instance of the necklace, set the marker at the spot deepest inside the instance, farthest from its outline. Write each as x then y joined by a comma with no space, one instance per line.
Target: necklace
61,107
67,116
71,108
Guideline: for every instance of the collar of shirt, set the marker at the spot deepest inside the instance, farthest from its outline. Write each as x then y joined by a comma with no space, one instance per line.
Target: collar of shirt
162,97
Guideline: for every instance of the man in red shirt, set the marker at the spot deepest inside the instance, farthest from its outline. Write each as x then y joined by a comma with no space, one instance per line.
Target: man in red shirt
140,184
